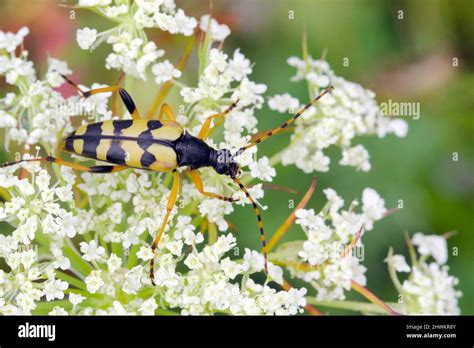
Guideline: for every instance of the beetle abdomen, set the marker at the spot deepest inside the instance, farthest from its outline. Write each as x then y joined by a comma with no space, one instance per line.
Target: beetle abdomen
134,143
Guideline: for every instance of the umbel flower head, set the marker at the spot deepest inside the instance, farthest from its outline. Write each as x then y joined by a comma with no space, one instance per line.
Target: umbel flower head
192,276
323,259
349,111
80,243
132,52
428,289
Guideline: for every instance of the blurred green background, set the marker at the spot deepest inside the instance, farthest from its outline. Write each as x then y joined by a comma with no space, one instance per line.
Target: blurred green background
406,60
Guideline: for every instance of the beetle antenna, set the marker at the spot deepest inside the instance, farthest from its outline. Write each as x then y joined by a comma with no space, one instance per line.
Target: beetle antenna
285,124
39,159
260,222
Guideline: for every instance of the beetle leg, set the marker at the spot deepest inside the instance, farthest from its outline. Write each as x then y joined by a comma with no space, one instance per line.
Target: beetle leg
61,162
196,178
166,113
171,203
206,127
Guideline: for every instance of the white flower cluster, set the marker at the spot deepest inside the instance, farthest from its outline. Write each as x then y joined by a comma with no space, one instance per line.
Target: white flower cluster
321,260
112,260
132,52
226,79
211,284
35,212
113,217
348,111
428,289
36,113
217,32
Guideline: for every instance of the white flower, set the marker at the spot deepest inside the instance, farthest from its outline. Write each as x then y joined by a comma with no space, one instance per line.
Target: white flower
373,205
92,251
430,290
145,253
296,300
10,41
262,169
230,268
399,128
114,263
356,156
175,247
249,92
6,120
433,245
86,37
218,32
116,11
55,68
300,65
215,210
192,238
192,261
253,261
165,71
54,289
94,281
133,280
399,263
57,310
185,24
179,23
27,258
64,193
275,273
328,234
283,103
239,66
148,307
336,119
335,201
132,55
76,299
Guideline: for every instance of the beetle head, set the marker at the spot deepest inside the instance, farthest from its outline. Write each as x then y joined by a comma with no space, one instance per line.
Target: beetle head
225,164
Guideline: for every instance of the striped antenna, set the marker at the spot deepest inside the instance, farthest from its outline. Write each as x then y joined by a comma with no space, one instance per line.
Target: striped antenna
260,222
285,124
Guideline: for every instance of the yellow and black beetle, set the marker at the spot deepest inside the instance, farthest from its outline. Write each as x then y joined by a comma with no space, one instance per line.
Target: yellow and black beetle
158,145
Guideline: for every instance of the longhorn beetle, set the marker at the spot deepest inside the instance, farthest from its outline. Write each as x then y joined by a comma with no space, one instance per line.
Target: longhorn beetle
158,145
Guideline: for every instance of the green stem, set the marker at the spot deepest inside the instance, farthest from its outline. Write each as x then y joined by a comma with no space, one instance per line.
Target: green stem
71,280
79,264
372,298
349,305
43,308
117,249
212,230
411,250
132,256
393,273
275,159
165,312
